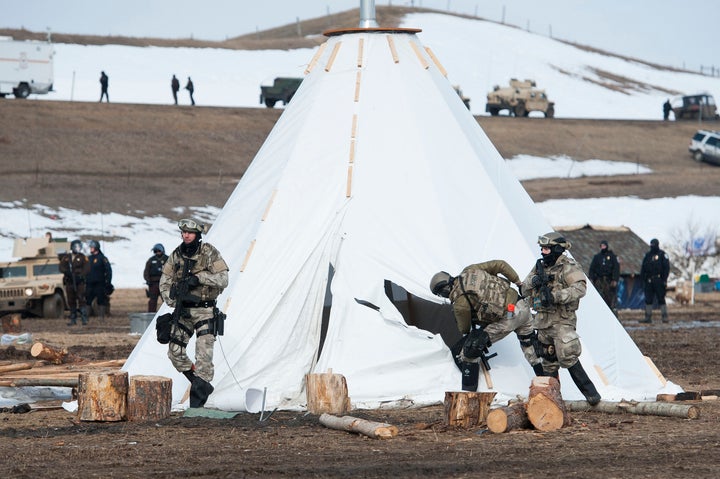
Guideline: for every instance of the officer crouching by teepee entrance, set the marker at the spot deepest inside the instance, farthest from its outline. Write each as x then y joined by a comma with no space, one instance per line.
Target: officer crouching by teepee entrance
192,278
555,286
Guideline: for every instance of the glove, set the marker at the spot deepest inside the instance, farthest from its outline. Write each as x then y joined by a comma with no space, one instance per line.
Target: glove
476,344
536,282
193,281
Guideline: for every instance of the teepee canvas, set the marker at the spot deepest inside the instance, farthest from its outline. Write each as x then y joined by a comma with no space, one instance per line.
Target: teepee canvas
375,177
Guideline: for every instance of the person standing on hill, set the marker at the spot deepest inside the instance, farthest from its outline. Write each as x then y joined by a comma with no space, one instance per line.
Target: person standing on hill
192,278
99,279
175,86
667,108
605,273
104,80
654,273
190,87
152,274
75,267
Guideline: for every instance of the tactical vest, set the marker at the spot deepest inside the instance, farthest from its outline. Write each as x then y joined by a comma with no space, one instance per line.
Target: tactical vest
156,267
203,262
486,292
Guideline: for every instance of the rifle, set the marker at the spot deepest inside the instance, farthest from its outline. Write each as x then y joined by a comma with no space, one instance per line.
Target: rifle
180,292
546,299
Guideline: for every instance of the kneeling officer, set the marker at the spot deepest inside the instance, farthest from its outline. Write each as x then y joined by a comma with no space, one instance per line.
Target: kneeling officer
192,278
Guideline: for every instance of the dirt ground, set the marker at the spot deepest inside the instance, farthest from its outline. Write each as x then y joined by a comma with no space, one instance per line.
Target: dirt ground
146,160
295,444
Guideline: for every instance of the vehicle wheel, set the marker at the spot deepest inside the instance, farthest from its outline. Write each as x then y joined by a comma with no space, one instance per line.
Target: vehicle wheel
697,155
53,306
22,92
520,110
270,103
550,113
494,111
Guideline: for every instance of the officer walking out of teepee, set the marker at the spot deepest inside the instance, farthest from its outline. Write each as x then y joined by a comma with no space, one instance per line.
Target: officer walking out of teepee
486,309
555,286
654,273
604,273
75,267
152,274
192,278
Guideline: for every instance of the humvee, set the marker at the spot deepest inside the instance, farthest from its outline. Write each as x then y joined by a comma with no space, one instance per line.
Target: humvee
33,285
520,98
282,89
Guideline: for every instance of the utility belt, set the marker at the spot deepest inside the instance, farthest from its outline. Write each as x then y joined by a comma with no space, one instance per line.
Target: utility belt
199,304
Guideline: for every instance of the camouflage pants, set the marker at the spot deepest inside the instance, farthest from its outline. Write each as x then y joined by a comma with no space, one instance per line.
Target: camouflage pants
565,341
521,324
203,345
75,296
608,293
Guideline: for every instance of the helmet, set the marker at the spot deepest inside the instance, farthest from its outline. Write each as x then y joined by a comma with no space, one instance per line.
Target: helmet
441,283
76,246
158,247
552,240
190,226
604,242
94,244
654,242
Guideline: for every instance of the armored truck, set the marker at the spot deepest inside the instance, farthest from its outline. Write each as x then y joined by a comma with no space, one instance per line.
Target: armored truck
25,67
282,89
520,98
33,285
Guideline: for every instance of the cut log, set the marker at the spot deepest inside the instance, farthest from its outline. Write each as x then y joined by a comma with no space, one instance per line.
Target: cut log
54,382
685,411
11,323
17,367
52,354
508,418
375,430
102,396
546,408
466,409
149,398
327,393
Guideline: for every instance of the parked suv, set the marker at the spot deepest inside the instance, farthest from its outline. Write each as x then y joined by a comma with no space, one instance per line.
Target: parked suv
705,146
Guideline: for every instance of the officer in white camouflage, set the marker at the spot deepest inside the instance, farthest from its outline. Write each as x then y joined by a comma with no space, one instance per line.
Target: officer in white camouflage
555,286
206,273
481,300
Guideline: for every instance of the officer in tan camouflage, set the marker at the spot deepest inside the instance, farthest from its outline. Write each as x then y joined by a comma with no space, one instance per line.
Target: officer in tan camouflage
197,269
486,309
555,286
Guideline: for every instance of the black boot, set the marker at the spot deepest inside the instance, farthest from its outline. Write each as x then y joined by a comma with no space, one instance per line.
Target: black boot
538,369
584,384
73,317
648,314
200,390
189,374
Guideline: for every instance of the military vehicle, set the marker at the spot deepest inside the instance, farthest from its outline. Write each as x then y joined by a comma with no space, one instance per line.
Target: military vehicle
282,89
520,98
33,285
689,107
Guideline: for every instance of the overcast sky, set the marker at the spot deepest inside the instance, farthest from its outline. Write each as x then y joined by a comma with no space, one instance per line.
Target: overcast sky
671,32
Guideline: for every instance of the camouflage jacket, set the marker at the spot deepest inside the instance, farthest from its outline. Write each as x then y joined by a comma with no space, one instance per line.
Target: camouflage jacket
209,267
567,285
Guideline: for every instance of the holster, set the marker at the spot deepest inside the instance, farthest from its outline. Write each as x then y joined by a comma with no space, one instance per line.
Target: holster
163,324
217,323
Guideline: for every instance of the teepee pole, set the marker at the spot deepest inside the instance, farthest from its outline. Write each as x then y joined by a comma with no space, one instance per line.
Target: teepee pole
367,14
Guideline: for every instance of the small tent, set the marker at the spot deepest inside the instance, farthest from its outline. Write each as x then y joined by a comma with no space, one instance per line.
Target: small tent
376,174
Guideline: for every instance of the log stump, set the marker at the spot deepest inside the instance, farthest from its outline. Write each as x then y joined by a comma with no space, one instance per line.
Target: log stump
375,430
508,418
52,354
465,409
327,393
102,396
545,407
149,398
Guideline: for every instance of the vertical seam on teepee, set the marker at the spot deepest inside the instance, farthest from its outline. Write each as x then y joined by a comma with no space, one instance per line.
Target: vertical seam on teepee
420,56
315,58
436,61
334,53
393,50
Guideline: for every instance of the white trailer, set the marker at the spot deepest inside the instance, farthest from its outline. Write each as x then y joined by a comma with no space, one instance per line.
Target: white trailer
25,67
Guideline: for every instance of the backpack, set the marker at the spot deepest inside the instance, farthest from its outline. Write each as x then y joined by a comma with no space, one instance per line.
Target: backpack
486,292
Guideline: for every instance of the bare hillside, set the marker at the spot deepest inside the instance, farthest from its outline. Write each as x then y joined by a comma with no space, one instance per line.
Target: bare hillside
148,159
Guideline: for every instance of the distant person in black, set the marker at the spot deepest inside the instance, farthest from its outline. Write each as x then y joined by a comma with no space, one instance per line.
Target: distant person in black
667,108
104,87
191,89
605,273
99,279
152,275
175,85
654,273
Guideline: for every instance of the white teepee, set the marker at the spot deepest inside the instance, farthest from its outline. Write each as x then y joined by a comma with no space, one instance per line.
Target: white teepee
375,174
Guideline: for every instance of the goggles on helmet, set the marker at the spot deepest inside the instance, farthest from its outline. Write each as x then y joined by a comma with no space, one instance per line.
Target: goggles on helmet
190,225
